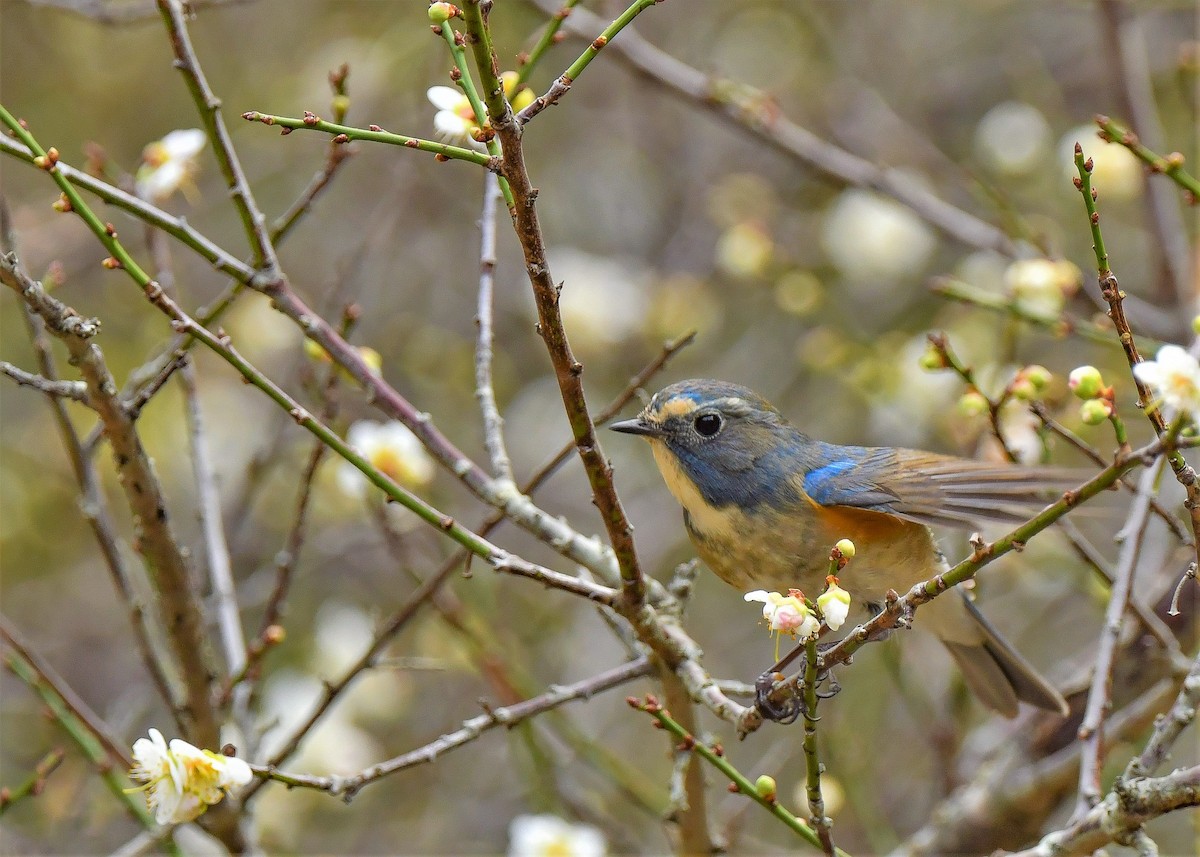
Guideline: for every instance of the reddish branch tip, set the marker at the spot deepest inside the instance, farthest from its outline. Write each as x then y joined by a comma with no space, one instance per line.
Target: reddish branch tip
1078,148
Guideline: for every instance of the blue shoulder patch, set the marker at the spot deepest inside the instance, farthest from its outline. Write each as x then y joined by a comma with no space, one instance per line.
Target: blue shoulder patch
821,484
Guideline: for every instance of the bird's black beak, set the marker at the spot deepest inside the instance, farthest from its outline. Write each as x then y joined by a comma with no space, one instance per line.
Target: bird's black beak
637,425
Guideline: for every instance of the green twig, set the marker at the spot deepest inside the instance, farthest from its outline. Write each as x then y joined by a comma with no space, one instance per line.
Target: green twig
715,756
1170,165
110,768
1057,324
549,37
812,760
35,783
490,79
182,322
563,84
1110,290
374,134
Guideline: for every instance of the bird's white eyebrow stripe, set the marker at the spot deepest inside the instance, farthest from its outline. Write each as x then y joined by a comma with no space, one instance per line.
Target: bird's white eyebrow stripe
685,404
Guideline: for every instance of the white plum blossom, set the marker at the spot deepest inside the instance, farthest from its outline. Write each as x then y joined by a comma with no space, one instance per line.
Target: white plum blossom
455,120
1174,374
834,604
786,614
169,164
393,449
182,781
551,836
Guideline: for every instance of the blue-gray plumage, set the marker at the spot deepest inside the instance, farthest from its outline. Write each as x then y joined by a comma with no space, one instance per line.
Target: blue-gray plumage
764,503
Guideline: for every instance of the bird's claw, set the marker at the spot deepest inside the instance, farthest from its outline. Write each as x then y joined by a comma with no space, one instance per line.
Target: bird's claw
789,710
785,712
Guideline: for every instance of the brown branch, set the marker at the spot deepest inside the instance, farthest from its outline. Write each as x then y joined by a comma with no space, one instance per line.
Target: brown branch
1122,813
567,370
178,605
94,506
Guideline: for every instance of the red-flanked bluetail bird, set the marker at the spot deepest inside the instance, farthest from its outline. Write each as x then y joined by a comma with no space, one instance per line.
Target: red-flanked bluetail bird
764,503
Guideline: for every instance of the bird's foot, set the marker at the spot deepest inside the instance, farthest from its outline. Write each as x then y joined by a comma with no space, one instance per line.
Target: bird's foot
779,700
770,685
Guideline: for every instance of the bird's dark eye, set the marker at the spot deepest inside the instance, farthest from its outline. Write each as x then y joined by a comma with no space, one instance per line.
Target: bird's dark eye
708,424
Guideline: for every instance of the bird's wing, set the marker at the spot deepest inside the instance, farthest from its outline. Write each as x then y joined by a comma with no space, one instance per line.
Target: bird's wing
935,489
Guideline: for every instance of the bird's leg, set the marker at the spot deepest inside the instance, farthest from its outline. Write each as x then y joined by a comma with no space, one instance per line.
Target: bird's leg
769,685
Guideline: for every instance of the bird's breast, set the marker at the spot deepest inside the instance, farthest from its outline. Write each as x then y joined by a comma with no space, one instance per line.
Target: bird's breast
772,547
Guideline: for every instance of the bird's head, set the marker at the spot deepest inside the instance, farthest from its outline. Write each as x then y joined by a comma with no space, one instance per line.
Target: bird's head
726,439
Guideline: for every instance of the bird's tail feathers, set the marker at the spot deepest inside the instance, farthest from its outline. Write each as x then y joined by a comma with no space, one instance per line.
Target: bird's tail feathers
999,675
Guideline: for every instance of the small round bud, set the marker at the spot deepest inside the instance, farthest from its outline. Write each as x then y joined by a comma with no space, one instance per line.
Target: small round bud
932,360
1023,389
440,13
1086,382
273,635
766,788
845,547
973,404
1095,411
1038,376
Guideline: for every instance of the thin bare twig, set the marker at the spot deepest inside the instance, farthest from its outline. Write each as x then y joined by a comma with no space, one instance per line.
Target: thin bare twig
74,390
493,424
567,370
1091,730
1167,729
209,106
94,722
510,715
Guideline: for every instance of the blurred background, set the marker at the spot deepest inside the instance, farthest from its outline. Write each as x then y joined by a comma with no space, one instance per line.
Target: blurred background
661,217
